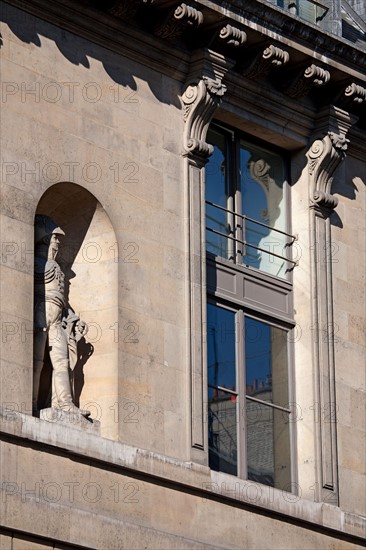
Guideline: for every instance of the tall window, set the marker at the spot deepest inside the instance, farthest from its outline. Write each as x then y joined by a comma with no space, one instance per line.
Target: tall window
249,311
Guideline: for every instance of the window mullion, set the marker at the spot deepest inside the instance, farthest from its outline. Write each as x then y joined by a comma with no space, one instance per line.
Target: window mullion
241,404
230,183
238,200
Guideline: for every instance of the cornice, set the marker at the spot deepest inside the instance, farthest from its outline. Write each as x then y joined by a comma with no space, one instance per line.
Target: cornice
268,19
290,59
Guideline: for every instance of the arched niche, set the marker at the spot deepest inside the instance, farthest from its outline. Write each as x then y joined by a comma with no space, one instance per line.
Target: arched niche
88,258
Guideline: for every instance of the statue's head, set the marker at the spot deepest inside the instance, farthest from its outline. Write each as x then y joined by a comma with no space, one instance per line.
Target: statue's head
47,234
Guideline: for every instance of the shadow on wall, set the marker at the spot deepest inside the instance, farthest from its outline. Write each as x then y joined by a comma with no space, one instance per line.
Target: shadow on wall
88,259
30,29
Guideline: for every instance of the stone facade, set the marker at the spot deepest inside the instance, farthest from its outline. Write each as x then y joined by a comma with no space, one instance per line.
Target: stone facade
105,111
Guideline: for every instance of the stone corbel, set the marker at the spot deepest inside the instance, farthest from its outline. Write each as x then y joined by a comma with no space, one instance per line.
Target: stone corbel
202,96
355,93
232,36
324,156
302,84
272,57
184,17
200,99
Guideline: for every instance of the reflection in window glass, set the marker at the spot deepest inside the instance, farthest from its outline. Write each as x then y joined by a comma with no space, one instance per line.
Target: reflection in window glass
262,179
221,404
217,192
268,445
268,437
266,362
221,347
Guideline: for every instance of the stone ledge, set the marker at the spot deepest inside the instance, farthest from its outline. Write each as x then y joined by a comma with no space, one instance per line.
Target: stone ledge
70,420
208,483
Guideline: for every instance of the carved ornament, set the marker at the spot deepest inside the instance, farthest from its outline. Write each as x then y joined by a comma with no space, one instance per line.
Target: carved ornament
200,100
178,21
355,92
324,156
188,15
232,36
324,199
312,76
272,57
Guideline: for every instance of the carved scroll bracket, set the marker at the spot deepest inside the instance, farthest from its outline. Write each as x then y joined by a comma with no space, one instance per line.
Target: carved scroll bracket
324,156
270,58
202,95
182,18
232,36
355,93
313,76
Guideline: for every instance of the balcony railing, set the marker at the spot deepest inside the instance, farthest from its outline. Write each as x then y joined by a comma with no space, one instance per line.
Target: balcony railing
232,241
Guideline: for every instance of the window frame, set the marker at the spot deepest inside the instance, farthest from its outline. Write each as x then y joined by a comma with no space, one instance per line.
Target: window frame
243,308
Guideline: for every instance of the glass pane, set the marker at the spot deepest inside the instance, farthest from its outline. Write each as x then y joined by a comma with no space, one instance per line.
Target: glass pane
217,192
268,445
222,437
266,367
221,347
262,181
221,405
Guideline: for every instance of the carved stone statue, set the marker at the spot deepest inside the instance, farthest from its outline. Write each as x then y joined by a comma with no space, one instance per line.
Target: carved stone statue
56,325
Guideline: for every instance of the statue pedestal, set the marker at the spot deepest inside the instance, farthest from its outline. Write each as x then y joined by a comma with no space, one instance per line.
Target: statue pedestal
71,420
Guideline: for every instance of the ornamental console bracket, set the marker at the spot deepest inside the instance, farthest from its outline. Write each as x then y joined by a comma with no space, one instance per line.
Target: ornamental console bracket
202,96
183,18
324,156
272,57
312,77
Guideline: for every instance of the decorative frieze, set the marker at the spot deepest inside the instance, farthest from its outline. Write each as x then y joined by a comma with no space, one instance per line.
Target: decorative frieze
312,76
272,57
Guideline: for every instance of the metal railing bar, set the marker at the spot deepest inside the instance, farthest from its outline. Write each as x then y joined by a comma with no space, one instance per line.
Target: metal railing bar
223,389
244,243
267,403
252,220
